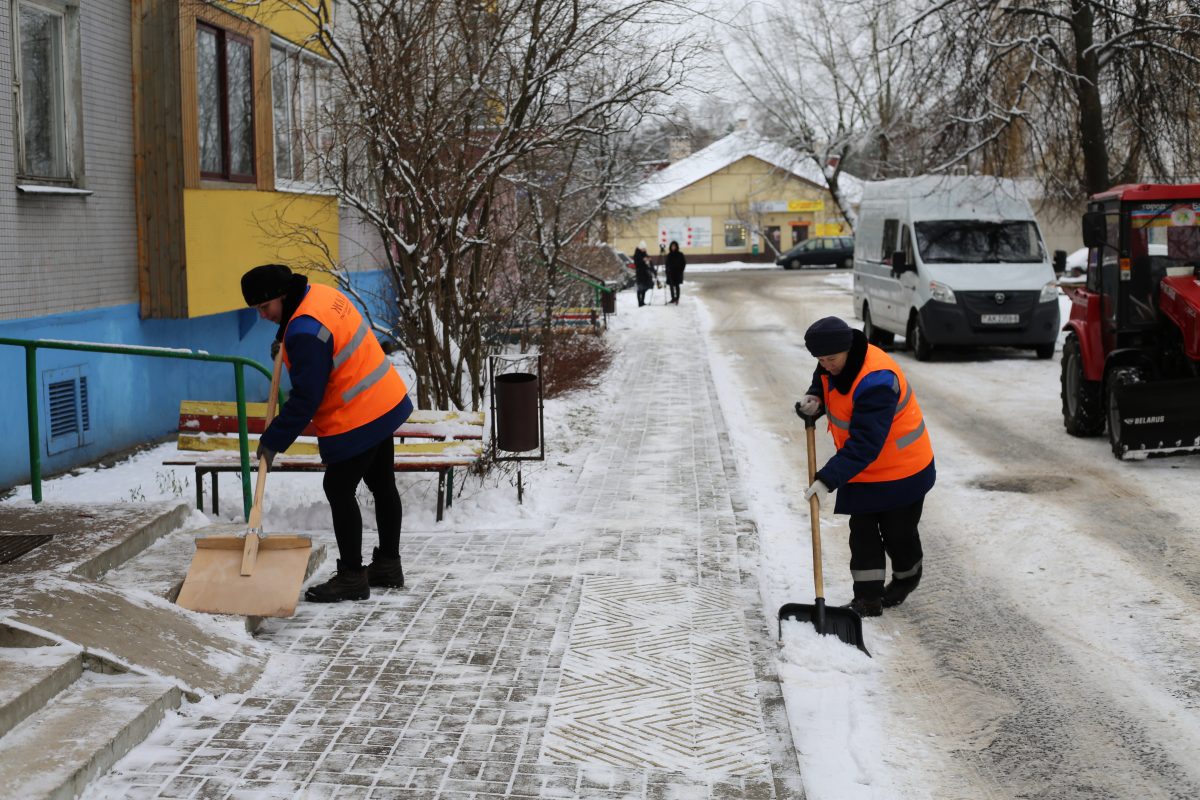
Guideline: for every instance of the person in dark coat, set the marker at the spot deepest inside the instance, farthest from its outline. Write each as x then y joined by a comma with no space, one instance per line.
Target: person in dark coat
675,266
883,467
645,272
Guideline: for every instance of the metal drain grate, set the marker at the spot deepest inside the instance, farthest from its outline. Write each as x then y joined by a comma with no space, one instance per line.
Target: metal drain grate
13,546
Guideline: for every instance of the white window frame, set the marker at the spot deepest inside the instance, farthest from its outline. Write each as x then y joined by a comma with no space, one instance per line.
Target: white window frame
71,110
297,138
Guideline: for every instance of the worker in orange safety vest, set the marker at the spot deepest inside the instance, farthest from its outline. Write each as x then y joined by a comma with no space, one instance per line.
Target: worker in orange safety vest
883,467
344,385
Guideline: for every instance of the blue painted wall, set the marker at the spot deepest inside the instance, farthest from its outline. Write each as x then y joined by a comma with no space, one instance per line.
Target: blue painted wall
133,399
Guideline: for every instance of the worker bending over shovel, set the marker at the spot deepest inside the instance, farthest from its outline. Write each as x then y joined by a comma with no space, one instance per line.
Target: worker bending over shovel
883,466
344,385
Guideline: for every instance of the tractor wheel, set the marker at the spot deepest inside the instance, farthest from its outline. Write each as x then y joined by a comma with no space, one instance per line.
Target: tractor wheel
922,350
1121,376
1082,412
876,336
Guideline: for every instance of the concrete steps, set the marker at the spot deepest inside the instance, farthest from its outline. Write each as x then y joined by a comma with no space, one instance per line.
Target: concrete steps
93,650
30,677
66,735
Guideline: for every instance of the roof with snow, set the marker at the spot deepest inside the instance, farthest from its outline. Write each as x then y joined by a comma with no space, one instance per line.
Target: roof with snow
730,150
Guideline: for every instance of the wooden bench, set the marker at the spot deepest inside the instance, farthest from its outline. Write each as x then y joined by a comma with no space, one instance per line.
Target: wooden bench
208,441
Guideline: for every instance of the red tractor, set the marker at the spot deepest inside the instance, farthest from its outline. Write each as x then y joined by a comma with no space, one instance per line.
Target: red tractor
1131,360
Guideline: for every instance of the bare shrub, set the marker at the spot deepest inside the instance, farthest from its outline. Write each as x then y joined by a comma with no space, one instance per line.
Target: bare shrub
577,361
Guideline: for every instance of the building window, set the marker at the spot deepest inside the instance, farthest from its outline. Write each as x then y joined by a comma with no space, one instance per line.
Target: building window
46,71
735,236
299,94
225,95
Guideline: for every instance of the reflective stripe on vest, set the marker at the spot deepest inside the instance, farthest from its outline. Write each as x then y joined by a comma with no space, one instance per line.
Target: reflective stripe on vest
362,385
907,449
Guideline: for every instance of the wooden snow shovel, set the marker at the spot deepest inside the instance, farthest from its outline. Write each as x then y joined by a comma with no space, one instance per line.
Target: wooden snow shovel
843,623
252,575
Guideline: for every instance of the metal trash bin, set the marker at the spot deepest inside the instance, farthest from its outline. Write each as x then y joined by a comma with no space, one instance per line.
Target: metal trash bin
608,301
517,412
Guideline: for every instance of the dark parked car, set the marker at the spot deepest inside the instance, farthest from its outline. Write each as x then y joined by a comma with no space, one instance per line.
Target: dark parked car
837,251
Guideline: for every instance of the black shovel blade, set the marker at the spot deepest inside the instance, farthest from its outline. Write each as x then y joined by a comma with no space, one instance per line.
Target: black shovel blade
843,623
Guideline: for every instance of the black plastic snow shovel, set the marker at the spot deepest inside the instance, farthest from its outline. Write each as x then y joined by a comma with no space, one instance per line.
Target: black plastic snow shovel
843,623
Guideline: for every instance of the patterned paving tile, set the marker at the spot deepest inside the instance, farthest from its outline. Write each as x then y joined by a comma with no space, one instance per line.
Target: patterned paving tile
657,675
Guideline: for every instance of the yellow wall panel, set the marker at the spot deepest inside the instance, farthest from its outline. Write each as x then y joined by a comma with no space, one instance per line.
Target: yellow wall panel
228,232
280,17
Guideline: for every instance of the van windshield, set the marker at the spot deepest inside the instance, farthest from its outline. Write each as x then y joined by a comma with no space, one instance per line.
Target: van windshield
975,242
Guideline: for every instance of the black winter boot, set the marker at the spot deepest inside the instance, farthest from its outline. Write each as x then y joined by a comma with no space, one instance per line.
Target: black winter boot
898,589
865,606
346,584
385,572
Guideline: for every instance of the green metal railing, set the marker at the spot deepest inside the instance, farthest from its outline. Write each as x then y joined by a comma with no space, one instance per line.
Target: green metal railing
32,345
583,276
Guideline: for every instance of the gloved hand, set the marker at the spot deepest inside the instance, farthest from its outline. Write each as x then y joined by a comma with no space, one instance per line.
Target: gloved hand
274,348
265,452
818,489
809,406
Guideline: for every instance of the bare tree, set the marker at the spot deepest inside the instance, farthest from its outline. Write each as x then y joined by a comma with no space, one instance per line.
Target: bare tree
435,109
1082,93
831,84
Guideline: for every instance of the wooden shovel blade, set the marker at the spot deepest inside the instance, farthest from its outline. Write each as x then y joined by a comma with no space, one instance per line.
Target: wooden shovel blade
215,583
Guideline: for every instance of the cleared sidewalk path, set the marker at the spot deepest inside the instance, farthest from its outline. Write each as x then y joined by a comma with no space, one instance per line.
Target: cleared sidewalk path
617,652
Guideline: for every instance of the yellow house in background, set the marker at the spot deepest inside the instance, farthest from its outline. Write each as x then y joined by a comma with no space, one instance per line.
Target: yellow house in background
739,199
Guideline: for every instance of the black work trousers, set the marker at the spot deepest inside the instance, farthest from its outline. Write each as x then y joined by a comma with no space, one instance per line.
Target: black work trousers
374,467
893,533
674,292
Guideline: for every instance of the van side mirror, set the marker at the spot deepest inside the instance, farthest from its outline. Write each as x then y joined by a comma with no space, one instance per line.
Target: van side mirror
1095,229
1060,262
900,263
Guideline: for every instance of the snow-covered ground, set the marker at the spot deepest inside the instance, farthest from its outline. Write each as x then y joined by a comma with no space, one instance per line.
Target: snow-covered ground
854,737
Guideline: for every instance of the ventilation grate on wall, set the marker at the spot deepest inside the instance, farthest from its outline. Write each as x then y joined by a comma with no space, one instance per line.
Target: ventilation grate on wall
64,408
68,412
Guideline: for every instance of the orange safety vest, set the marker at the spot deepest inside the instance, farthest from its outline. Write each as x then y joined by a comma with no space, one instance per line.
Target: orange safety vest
362,386
907,449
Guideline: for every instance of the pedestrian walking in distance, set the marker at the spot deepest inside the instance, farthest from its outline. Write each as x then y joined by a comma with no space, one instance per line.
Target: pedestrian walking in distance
883,466
676,263
344,385
645,272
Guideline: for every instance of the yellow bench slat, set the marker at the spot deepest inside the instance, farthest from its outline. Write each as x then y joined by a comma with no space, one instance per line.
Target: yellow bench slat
210,443
222,408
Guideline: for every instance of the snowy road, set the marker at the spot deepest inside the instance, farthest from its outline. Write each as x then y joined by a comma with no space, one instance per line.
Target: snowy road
1051,650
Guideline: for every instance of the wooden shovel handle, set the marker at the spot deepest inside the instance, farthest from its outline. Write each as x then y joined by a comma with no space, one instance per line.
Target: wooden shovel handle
260,484
814,505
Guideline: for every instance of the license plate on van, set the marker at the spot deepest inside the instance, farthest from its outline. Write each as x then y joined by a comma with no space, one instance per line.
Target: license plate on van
1000,319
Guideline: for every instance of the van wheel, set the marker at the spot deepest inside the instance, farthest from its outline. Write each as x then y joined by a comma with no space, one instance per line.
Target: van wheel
1044,351
921,349
875,336
847,263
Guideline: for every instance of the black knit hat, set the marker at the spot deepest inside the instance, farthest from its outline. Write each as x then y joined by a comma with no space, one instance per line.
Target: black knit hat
265,282
827,336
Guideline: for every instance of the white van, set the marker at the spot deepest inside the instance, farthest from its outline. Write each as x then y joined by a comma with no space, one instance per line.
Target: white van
953,261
